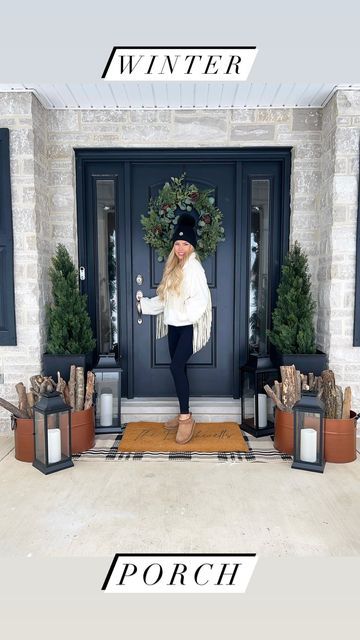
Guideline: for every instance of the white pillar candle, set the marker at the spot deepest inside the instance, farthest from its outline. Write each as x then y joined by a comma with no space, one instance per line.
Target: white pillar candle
270,408
106,409
54,445
262,410
308,440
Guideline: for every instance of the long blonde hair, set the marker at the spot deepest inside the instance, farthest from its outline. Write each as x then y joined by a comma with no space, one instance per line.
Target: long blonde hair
173,275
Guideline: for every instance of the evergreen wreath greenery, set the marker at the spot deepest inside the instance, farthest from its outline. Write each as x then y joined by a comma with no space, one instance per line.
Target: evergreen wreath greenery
161,220
292,319
68,322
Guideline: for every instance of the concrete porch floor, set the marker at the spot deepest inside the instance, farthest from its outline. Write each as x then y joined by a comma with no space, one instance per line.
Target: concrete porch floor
98,508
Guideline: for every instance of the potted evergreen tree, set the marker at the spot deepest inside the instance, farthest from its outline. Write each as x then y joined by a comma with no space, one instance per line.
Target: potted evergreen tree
293,333
69,333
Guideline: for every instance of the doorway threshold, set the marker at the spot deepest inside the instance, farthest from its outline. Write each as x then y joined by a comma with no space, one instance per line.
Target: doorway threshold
160,409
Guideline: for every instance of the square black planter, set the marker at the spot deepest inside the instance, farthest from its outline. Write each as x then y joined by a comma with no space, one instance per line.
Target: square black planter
52,363
304,362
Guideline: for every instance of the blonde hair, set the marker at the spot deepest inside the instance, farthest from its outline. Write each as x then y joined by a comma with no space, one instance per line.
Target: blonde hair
173,275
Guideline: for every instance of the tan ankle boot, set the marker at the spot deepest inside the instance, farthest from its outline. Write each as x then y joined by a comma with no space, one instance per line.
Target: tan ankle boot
173,423
185,430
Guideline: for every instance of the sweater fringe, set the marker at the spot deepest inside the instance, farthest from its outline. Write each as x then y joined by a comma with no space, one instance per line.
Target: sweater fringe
201,329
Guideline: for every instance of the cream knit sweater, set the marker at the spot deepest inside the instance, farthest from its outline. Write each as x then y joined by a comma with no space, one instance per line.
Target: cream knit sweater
193,306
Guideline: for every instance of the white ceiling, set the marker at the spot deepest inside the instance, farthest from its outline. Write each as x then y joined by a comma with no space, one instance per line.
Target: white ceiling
180,95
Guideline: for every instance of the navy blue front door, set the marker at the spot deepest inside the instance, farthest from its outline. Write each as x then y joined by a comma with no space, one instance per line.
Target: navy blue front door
210,370
251,188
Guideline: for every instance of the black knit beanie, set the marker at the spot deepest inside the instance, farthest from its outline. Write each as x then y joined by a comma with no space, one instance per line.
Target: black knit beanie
184,229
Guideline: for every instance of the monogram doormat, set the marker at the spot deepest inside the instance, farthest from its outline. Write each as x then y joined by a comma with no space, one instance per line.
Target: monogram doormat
207,437
260,450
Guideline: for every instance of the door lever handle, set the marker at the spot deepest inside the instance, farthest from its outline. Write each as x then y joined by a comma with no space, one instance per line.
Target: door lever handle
139,295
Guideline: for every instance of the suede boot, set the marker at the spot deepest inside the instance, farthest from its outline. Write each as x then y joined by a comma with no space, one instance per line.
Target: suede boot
185,430
173,423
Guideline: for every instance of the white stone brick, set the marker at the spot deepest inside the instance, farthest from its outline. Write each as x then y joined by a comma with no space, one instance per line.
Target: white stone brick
253,132
243,115
306,119
345,188
63,120
15,103
347,140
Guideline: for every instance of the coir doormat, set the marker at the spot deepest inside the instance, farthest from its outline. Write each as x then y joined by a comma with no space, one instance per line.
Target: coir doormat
207,437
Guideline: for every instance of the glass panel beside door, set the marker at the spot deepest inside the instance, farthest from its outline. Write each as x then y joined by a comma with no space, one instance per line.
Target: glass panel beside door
107,308
259,266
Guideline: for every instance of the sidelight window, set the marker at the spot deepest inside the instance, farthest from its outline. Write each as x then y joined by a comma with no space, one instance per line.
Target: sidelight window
106,266
259,266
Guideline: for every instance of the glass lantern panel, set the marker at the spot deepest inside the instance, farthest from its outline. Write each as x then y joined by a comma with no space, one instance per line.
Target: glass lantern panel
63,425
248,397
308,430
107,266
39,436
107,397
266,404
259,266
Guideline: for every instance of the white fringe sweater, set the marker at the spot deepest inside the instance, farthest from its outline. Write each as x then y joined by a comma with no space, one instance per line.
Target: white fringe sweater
193,306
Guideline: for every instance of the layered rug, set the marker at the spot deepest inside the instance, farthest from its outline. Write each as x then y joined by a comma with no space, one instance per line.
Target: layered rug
260,450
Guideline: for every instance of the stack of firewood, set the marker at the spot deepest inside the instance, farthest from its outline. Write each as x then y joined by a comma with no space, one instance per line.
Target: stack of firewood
285,393
73,392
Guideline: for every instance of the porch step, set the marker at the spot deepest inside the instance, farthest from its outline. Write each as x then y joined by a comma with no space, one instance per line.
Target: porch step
160,409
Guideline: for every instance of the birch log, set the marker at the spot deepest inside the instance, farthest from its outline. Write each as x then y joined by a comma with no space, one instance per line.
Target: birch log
47,385
32,399
18,413
67,394
79,391
23,401
61,384
278,389
288,377
90,380
35,383
339,402
71,386
329,393
274,397
346,403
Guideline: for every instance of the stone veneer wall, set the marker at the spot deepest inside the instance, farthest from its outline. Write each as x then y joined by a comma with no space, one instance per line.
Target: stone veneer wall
44,198
338,217
26,119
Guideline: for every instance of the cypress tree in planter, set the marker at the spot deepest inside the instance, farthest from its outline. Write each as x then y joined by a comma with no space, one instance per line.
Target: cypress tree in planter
293,333
69,334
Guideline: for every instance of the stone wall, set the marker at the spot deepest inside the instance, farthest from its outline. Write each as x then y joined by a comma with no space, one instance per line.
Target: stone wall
323,203
20,361
338,217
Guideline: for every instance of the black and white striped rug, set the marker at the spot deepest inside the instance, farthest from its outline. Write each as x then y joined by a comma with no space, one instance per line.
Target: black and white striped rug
260,450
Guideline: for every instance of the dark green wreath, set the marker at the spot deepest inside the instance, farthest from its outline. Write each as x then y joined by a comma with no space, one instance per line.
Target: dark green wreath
161,220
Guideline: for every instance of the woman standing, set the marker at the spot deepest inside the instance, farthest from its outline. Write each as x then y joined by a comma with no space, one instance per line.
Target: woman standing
184,314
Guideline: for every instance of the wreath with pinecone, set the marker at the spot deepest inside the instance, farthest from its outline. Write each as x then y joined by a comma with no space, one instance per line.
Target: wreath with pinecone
163,215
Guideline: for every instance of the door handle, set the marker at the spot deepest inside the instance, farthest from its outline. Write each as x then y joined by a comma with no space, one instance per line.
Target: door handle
139,294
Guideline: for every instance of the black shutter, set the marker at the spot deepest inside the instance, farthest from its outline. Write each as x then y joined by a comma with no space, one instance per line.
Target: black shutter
7,294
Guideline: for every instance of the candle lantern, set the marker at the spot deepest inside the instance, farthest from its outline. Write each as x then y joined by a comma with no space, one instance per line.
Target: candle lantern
257,409
309,440
107,394
52,433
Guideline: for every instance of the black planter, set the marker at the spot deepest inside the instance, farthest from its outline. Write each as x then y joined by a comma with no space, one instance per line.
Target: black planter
304,362
51,364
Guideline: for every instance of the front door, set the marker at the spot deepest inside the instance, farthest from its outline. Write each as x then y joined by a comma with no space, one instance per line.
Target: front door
115,193
210,370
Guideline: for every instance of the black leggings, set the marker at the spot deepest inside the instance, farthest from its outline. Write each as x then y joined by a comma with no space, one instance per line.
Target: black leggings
180,348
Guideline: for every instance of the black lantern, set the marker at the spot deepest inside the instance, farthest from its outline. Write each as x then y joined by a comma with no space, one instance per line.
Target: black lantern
257,409
52,433
309,433
107,394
